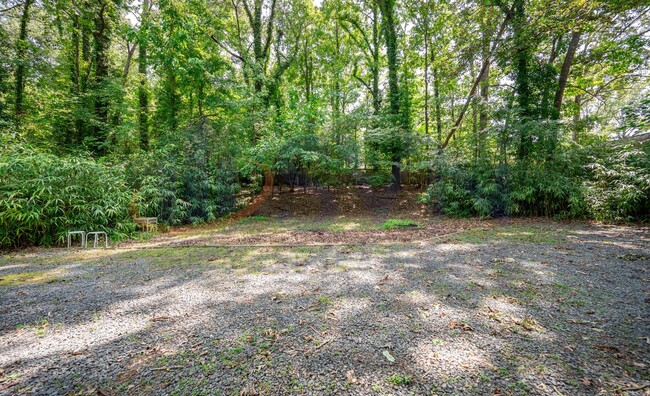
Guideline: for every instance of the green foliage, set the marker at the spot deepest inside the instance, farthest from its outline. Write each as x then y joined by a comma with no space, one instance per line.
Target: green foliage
42,196
545,183
604,181
380,178
465,189
619,187
386,140
636,117
185,181
399,379
547,189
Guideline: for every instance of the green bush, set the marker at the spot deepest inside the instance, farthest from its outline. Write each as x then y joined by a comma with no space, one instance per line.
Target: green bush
380,178
527,188
619,186
608,181
462,189
546,189
42,196
184,181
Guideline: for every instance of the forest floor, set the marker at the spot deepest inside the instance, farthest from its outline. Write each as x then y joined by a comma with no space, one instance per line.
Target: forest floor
308,297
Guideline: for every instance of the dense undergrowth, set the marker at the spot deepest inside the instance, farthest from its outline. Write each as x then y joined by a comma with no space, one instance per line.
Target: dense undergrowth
607,181
43,195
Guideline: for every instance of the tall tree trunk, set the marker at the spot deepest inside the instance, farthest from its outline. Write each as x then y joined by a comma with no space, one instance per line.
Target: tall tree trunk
172,100
75,77
387,8
522,57
475,105
564,73
376,94
336,100
426,79
436,100
85,102
576,119
484,94
101,44
143,97
485,84
388,11
21,60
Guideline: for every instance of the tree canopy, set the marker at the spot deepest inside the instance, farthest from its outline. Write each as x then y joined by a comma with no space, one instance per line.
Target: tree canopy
529,107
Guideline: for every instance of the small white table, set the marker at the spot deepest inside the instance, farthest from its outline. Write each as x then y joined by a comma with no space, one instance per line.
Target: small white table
147,223
83,237
97,234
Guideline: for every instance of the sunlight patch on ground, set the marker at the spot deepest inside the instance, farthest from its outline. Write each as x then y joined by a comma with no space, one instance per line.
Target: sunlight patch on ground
31,277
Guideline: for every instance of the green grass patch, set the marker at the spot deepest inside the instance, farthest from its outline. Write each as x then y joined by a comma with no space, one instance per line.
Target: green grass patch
399,379
29,278
397,223
512,234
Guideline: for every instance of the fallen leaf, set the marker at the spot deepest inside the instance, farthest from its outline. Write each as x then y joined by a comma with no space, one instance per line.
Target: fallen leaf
351,377
388,356
460,325
249,391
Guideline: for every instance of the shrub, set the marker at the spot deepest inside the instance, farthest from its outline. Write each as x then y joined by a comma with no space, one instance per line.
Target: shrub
462,189
619,186
184,181
380,178
546,189
42,196
527,188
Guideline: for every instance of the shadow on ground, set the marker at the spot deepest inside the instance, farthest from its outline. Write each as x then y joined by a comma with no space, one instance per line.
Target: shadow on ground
511,310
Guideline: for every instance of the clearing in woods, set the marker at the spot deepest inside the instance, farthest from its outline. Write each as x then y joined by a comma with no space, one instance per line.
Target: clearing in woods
305,297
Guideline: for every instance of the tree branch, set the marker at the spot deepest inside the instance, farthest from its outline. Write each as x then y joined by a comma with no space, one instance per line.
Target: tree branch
228,50
11,8
478,79
269,29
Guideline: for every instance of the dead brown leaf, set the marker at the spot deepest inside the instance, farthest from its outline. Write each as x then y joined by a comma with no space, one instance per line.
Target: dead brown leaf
351,377
249,390
460,325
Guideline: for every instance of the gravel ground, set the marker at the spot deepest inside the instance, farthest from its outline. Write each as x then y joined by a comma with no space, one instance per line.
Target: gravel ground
541,309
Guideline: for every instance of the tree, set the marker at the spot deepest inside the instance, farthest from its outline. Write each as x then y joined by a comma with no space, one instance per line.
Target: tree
387,8
21,61
143,95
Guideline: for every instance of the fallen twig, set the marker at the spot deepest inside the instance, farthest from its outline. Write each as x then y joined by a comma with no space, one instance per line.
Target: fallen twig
8,385
323,343
319,345
637,388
